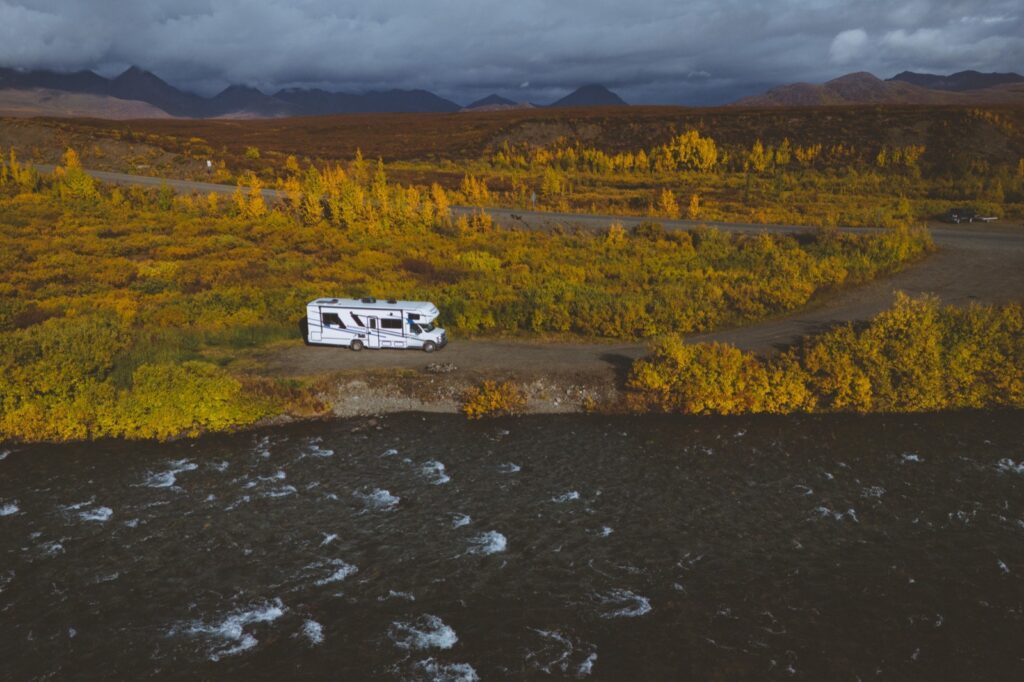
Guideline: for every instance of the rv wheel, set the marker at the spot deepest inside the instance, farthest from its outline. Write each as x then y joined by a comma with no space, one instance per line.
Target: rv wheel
356,345
304,330
429,347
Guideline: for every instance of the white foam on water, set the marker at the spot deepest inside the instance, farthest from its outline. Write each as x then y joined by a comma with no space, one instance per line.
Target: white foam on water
623,604
99,514
558,654
262,447
606,531
1007,465
962,516
245,643
52,548
131,523
341,571
107,577
587,666
390,452
509,468
314,449
379,499
6,579
313,631
393,594
165,479
460,520
228,633
328,538
1003,567
220,466
873,491
244,499
825,512
804,490
3,454
282,491
72,633
9,508
490,542
910,458
566,497
277,476
78,505
426,632
435,671
434,470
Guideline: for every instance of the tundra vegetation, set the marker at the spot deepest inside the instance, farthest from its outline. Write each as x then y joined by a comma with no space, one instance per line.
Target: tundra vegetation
917,356
834,166
121,309
493,399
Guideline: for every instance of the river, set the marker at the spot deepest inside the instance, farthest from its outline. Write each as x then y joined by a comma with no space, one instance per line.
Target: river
427,547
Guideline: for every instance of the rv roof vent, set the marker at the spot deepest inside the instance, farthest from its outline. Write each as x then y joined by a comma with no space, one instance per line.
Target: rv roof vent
333,300
391,300
368,300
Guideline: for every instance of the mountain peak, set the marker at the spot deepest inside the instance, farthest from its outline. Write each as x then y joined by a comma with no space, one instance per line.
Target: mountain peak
591,95
240,90
492,100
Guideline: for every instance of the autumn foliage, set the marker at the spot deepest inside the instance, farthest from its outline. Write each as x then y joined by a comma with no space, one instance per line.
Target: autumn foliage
493,399
122,309
918,356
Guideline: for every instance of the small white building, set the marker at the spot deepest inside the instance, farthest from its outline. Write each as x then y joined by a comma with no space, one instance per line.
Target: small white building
359,323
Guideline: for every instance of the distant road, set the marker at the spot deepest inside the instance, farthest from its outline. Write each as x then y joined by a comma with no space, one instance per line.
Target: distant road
983,263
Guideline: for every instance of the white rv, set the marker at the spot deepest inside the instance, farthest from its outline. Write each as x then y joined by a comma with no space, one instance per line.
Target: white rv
359,323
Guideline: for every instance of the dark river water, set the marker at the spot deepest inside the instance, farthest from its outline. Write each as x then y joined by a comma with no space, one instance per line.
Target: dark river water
432,548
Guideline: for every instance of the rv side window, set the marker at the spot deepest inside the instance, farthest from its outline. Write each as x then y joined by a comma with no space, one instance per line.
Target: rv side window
332,320
390,324
414,328
414,316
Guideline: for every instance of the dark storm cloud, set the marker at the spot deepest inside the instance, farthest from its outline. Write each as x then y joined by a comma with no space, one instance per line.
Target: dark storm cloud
700,51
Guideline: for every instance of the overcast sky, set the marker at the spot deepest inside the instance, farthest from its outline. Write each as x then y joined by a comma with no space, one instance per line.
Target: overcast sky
649,51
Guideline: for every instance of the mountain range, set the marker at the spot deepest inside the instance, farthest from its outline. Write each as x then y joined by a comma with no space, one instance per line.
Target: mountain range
137,93
965,87
151,96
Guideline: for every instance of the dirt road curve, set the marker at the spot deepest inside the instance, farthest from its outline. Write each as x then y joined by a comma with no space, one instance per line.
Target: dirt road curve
974,263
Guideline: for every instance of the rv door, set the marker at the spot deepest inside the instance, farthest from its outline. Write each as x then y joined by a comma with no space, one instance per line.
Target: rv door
373,333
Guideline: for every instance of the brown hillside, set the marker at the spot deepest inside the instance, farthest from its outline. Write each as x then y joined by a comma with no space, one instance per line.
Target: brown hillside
55,103
864,88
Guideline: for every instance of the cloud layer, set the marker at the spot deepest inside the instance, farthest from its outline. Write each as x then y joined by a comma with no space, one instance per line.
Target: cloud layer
701,51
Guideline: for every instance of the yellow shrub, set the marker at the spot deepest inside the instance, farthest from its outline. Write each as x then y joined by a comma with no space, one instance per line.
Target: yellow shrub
491,399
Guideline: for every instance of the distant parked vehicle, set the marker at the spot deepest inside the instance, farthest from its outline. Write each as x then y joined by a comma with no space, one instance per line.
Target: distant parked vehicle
369,323
967,215
961,215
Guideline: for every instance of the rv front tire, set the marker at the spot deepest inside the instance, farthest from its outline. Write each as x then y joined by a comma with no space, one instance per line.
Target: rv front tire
429,347
356,345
